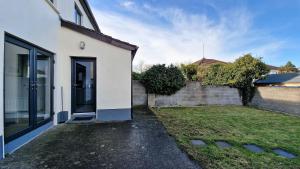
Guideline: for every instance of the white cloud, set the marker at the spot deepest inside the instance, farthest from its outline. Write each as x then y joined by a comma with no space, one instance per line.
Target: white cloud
127,4
181,40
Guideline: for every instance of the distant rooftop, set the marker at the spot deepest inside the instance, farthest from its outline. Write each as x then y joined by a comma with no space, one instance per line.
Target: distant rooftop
273,67
280,78
205,61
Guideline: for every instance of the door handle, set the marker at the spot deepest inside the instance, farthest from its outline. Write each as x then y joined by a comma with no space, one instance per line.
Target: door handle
33,85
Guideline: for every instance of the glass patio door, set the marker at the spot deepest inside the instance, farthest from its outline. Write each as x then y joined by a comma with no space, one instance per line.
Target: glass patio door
43,87
27,88
16,91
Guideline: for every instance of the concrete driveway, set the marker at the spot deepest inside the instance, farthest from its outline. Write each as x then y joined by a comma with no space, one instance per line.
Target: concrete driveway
141,143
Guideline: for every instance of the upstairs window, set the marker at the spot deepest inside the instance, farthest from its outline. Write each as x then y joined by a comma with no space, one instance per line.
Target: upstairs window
77,15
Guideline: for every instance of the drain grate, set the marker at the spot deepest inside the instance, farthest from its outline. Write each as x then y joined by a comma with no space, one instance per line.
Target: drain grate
82,118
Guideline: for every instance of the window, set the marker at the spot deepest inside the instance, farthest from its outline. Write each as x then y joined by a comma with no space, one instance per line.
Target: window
27,87
52,1
77,15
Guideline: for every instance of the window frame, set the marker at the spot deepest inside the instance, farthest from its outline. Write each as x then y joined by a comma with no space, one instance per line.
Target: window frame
33,50
77,13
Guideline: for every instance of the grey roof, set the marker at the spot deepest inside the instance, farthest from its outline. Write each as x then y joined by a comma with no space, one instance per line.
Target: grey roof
280,78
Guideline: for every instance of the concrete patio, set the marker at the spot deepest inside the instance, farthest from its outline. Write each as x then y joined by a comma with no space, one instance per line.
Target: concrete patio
141,143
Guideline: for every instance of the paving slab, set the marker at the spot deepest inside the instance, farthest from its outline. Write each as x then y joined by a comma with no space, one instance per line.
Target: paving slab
254,148
198,143
284,153
141,143
223,144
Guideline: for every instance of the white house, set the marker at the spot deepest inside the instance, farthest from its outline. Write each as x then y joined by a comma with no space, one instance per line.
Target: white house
53,57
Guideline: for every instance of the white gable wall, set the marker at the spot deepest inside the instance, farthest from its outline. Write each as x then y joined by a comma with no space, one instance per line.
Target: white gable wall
67,8
113,71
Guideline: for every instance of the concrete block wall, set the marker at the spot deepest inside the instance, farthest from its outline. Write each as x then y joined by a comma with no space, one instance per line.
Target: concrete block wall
139,95
193,94
283,99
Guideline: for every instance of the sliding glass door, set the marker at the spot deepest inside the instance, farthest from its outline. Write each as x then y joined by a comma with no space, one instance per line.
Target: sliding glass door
27,87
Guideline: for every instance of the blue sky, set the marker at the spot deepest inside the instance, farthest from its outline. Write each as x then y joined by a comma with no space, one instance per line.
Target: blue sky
173,31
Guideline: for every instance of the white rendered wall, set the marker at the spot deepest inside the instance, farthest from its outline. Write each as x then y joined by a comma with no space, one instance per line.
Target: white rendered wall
67,8
37,22
113,71
32,20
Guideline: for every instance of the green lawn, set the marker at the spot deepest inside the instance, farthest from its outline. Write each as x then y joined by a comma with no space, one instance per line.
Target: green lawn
237,125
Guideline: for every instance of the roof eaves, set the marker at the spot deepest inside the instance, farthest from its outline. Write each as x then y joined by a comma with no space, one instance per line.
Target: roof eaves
100,36
89,14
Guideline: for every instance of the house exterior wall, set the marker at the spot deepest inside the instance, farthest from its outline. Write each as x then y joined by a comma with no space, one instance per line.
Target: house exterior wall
26,20
66,10
274,71
113,72
38,22
295,84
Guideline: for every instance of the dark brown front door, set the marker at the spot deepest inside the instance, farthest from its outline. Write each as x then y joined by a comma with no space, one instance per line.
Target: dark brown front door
83,85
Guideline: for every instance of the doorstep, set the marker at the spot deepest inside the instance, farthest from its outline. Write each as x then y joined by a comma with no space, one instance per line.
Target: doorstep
82,118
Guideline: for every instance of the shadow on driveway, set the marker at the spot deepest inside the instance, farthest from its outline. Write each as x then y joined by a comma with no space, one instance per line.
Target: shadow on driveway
141,143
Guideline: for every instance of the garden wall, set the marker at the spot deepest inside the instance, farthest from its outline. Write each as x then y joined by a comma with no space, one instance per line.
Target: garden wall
284,99
192,94
139,95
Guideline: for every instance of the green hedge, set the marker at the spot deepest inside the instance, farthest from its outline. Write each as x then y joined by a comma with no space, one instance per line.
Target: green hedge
163,80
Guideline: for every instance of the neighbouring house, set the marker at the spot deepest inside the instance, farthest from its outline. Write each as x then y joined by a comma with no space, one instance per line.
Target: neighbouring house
273,69
54,58
283,80
207,62
204,62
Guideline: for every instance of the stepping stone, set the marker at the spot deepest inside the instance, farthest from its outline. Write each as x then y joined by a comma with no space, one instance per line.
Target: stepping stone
283,153
223,144
198,143
254,148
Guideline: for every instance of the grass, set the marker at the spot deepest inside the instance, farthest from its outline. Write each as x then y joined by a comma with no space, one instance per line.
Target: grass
237,125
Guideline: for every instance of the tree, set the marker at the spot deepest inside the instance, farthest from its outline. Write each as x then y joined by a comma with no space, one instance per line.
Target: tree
189,71
216,75
289,67
245,70
163,80
136,76
239,74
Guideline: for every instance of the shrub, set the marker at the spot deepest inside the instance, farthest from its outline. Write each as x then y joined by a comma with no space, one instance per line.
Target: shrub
239,74
288,68
189,71
136,76
216,75
163,80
